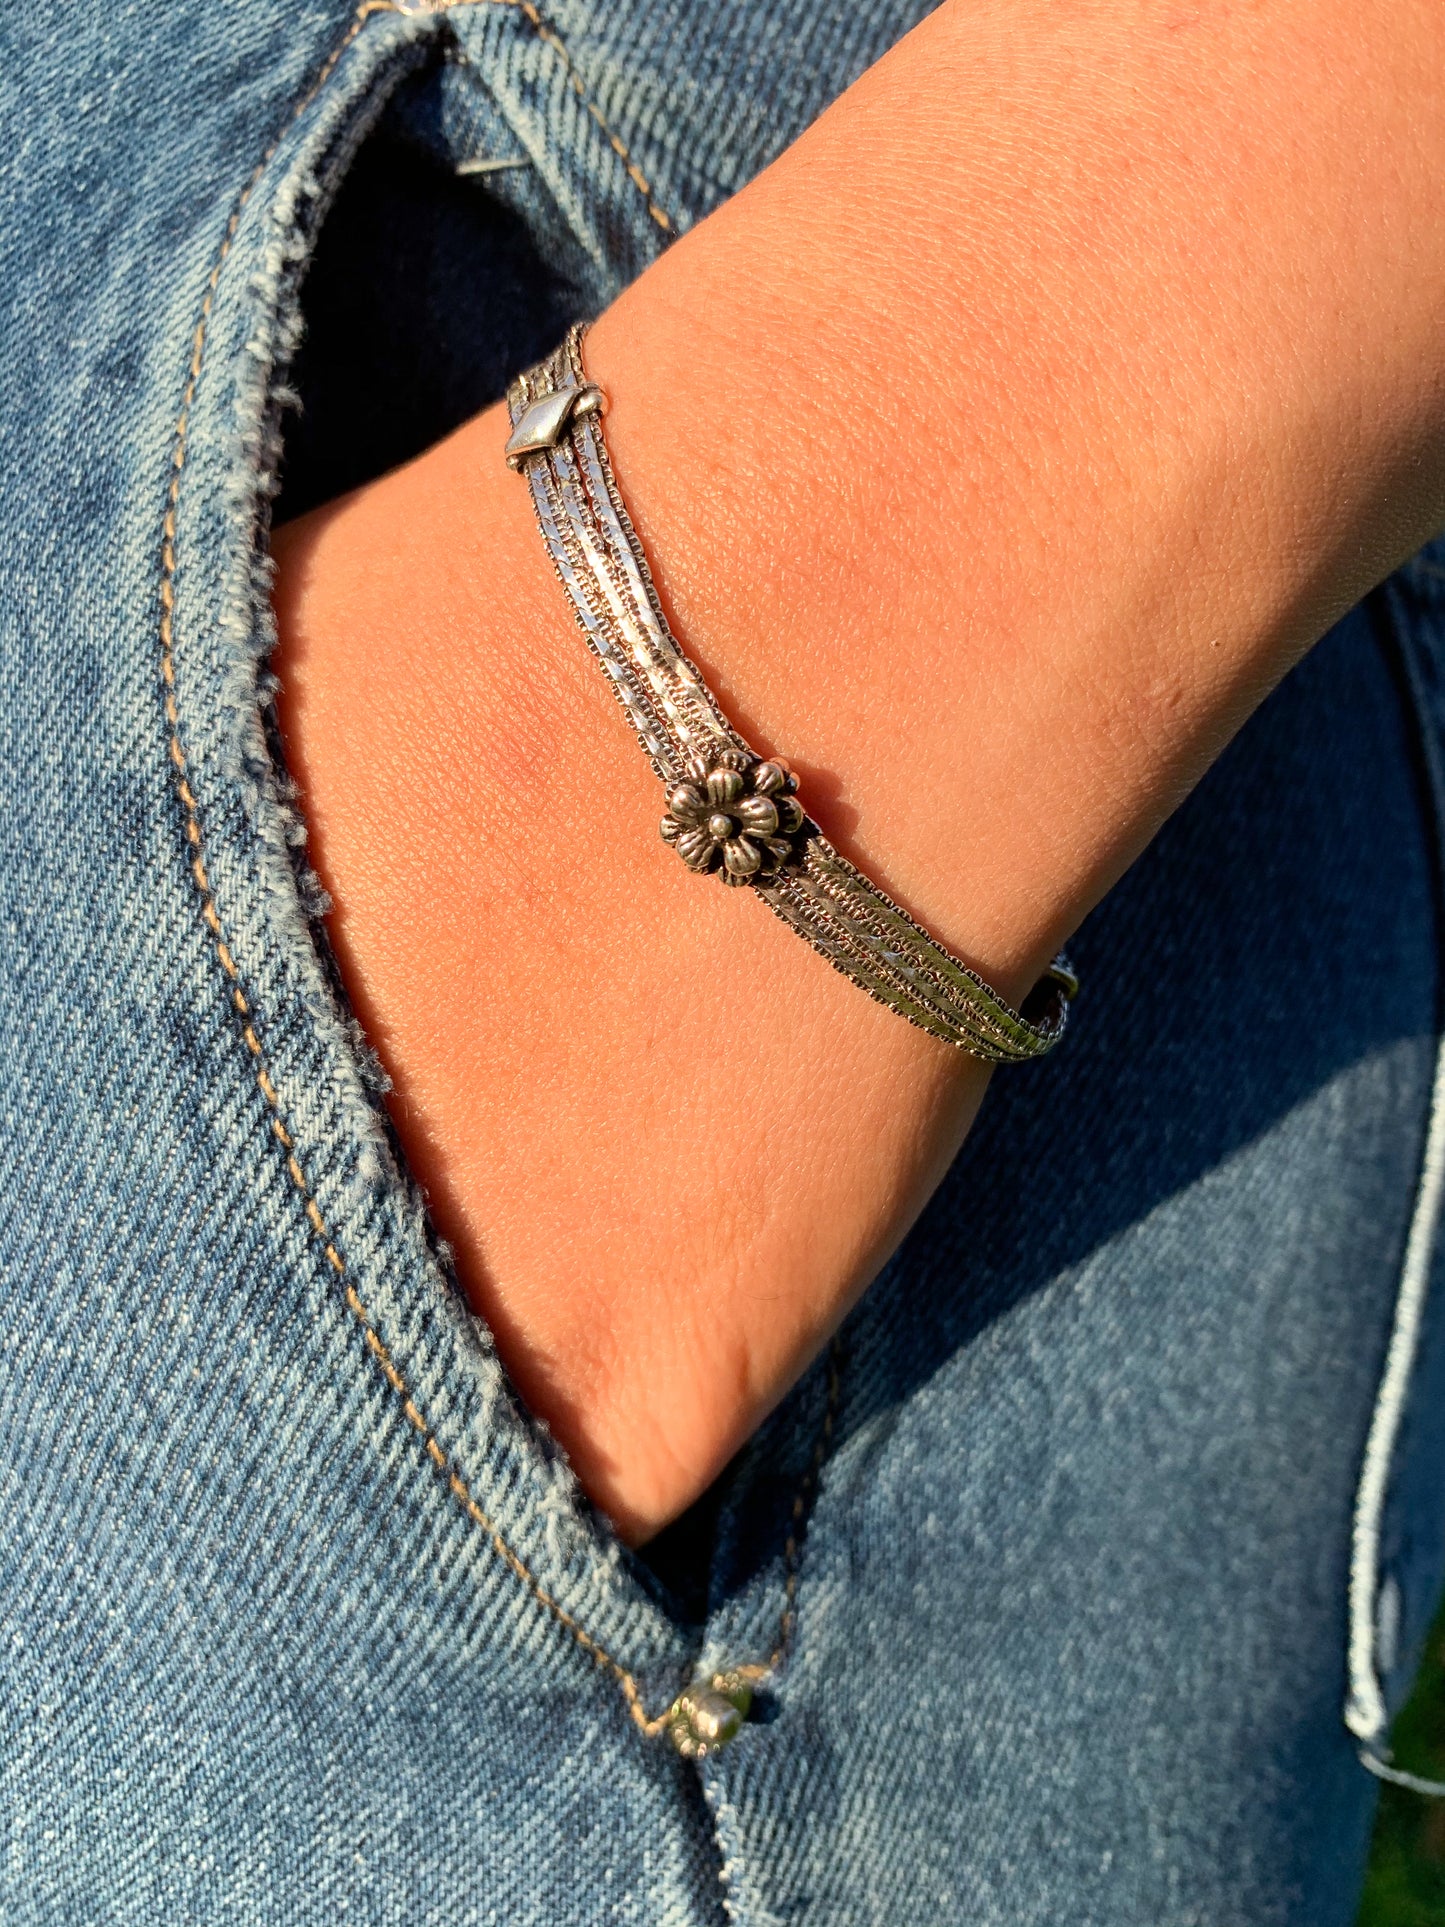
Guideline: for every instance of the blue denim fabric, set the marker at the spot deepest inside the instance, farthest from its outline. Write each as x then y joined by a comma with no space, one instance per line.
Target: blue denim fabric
1064,1556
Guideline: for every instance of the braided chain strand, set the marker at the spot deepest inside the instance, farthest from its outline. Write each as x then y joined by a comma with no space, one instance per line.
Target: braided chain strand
828,901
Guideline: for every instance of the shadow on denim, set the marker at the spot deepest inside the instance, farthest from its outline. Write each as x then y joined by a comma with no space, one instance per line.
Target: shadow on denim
1276,933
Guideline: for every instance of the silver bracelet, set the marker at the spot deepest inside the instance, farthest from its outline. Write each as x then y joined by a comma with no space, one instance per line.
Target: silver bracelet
730,810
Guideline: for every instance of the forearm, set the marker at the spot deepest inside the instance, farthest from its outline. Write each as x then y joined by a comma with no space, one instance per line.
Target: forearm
996,450
1008,438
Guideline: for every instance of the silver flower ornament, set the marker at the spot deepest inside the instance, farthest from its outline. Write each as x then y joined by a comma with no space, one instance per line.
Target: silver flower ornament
737,810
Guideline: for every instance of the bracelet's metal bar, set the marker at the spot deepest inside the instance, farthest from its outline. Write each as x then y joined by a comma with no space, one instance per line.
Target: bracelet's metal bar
698,720
866,907
650,728
724,800
795,905
643,694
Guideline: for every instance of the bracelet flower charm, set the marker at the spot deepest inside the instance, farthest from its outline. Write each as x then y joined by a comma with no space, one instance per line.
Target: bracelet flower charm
735,808
729,810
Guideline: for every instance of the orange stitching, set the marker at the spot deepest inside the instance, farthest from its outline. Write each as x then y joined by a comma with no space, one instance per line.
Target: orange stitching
549,35
226,958
584,1639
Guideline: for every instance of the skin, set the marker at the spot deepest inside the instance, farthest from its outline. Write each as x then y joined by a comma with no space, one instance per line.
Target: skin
996,451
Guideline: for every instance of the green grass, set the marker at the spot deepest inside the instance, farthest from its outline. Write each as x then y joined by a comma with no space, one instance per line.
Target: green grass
1406,1882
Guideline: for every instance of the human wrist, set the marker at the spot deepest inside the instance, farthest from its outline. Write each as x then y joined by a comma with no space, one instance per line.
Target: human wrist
994,704
666,1144
1169,450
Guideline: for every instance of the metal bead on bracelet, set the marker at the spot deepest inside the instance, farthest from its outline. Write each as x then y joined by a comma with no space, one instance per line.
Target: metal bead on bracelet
729,810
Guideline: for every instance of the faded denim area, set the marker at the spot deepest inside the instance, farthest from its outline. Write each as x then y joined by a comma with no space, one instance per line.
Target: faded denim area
301,1618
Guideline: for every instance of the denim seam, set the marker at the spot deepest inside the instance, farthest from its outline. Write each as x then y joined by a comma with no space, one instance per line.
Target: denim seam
549,36
456,1484
1365,1714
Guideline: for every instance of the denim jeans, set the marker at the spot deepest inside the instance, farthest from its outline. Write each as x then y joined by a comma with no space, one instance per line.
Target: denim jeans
1101,1546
